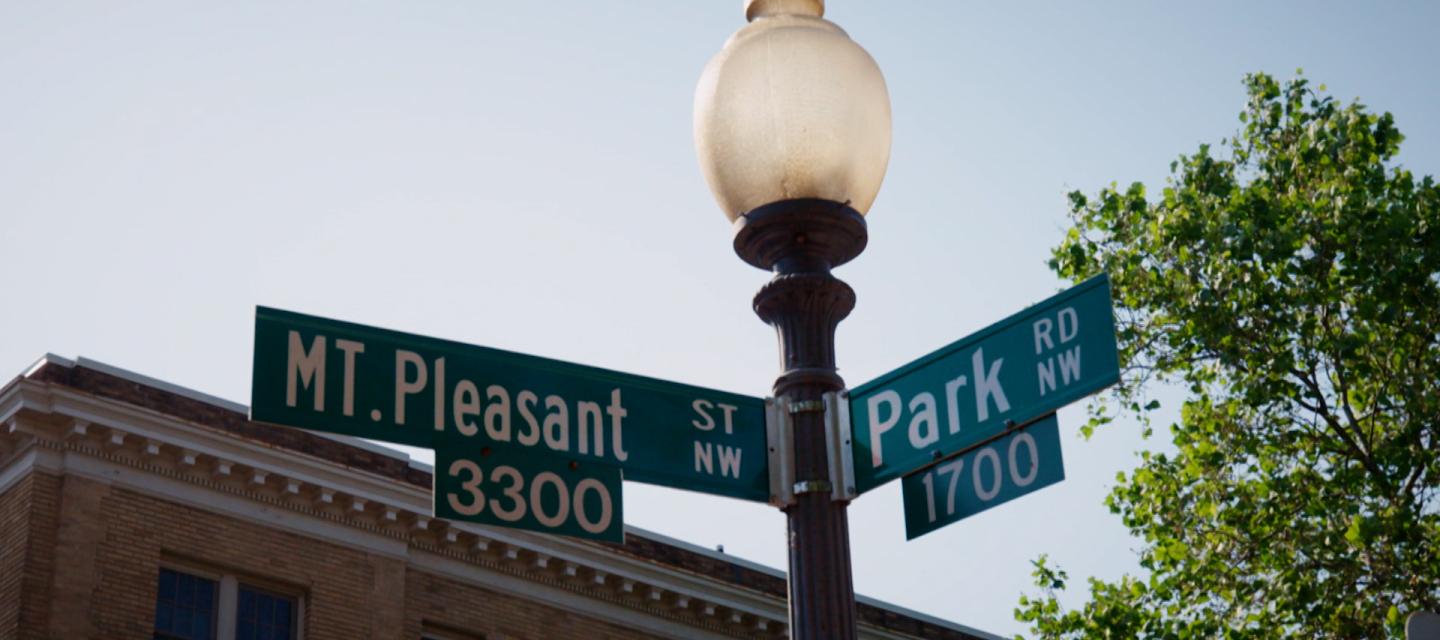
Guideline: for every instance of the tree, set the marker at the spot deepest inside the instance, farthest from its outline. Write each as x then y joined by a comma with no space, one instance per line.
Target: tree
1290,282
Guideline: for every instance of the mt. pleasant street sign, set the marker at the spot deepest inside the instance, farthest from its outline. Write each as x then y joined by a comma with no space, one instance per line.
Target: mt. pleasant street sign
327,375
1015,371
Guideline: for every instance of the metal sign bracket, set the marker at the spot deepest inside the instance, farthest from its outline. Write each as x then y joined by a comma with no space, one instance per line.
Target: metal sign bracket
837,446
780,440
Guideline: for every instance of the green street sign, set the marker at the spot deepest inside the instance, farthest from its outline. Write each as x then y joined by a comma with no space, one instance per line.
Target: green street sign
1014,371
525,488
1022,462
327,375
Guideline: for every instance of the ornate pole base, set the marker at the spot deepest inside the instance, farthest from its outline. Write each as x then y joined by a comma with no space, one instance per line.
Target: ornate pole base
801,240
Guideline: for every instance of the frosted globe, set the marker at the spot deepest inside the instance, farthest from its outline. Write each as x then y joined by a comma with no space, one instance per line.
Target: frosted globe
791,108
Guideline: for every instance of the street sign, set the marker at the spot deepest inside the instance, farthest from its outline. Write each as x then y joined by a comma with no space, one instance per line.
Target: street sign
327,375
1022,462
1422,625
1018,369
526,488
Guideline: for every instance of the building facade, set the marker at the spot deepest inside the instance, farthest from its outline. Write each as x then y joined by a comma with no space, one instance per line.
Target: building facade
133,508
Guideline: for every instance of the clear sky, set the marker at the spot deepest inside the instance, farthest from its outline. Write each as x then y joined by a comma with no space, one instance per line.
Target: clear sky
521,175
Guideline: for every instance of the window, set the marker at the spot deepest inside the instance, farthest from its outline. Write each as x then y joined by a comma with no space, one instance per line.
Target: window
196,605
185,607
432,631
264,616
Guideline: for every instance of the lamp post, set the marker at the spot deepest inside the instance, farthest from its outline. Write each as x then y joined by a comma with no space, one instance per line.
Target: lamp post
792,128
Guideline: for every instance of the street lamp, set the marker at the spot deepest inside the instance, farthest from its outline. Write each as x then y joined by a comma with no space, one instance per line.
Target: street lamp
792,128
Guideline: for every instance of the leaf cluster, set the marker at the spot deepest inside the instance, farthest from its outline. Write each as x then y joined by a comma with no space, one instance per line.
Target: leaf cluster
1290,280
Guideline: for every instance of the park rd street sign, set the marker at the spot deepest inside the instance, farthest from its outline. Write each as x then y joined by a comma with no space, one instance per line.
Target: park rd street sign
1014,371
1019,463
327,375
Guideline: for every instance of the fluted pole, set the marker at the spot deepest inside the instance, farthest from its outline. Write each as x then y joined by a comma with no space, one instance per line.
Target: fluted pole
801,240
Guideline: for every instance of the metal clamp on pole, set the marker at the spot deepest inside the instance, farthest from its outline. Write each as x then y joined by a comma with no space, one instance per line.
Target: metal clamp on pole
837,446
779,438
811,486
806,406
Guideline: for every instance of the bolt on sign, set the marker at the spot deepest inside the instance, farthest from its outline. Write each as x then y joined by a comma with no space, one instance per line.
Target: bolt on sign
1021,462
326,375
1010,373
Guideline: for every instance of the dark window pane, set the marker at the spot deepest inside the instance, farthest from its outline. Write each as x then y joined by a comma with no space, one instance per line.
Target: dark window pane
185,596
247,604
269,615
184,606
167,585
200,626
164,617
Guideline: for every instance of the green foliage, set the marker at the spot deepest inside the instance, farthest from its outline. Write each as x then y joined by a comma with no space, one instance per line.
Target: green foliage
1291,281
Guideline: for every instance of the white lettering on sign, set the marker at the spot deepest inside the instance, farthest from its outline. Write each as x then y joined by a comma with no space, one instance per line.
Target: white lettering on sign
703,407
307,367
1068,323
878,427
476,503
439,413
537,489
512,505
987,457
1029,442
404,384
582,518
986,495
1070,365
886,408
525,402
953,468
617,413
557,424
497,415
1045,372
347,393
704,460
494,411
987,386
705,452
1042,328
923,430
588,415
467,405
952,402
517,508
729,459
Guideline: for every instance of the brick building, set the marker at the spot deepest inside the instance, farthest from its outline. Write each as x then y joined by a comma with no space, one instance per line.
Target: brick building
133,508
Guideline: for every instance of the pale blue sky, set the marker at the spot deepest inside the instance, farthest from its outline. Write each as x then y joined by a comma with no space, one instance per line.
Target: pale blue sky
521,175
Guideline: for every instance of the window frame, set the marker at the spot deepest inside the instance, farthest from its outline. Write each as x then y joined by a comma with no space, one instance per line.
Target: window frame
193,573
227,612
433,631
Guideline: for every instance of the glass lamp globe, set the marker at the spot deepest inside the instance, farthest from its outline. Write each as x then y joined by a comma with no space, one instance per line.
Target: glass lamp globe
791,108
